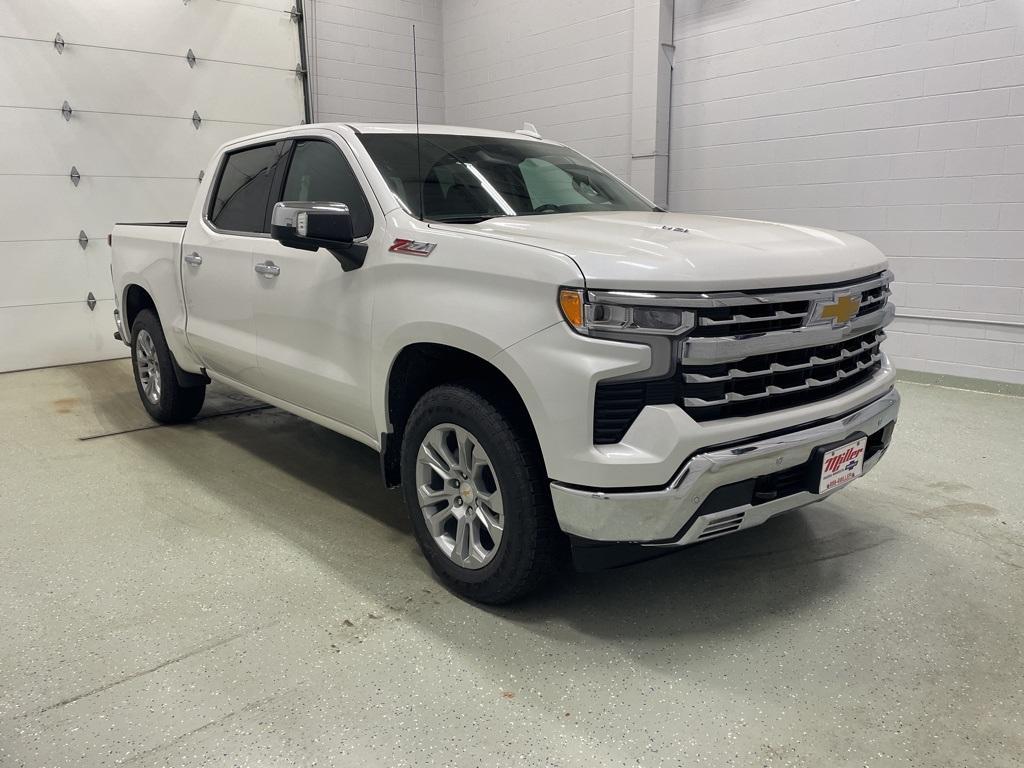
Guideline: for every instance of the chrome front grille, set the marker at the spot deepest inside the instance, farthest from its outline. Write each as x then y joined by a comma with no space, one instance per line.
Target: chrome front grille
782,348
758,352
780,380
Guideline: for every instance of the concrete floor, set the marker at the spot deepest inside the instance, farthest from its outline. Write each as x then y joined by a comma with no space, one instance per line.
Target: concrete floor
242,591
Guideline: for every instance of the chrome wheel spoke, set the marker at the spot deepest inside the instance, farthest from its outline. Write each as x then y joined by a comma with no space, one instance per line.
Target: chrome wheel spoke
458,494
432,458
440,445
463,535
437,495
490,522
492,502
436,521
467,448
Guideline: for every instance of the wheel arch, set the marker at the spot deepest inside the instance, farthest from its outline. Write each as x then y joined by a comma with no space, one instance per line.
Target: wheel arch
419,367
135,299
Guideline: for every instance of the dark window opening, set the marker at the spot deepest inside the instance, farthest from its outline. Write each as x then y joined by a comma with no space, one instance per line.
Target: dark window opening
243,189
319,172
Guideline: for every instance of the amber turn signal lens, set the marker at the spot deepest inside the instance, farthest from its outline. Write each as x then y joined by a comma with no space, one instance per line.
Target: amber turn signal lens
571,302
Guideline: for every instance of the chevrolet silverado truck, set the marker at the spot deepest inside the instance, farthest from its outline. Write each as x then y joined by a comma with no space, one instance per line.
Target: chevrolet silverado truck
548,363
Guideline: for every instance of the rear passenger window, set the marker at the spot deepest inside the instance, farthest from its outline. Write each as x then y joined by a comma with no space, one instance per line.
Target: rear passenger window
320,173
243,190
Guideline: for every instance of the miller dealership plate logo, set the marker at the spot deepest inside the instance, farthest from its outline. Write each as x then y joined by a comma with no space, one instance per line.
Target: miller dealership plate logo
837,312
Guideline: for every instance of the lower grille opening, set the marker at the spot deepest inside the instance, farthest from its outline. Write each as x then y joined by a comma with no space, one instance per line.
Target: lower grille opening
725,525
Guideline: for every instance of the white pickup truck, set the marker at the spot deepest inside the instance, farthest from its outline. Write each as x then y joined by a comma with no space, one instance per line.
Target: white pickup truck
546,361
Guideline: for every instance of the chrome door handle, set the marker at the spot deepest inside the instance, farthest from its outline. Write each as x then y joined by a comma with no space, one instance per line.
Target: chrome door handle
268,269
194,259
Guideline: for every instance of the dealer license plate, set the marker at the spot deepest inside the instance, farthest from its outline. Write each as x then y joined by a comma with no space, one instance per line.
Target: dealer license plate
842,465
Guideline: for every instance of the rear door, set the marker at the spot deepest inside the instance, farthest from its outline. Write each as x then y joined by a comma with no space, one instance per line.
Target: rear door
217,272
312,317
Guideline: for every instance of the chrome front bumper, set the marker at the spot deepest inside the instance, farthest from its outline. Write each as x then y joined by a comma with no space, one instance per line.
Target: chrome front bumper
678,514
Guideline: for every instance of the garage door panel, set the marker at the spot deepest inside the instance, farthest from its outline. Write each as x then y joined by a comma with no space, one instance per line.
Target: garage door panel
43,272
259,35
131,137
97,262
54,272
96,80
45,207
57,334
86,143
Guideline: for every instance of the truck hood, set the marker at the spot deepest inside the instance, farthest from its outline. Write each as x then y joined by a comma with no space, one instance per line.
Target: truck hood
682,252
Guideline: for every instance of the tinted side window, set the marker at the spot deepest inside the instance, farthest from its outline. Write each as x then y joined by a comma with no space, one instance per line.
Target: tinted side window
243,190
319,172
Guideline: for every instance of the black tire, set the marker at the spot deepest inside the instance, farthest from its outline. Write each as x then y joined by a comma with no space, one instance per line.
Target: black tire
171,403
530,544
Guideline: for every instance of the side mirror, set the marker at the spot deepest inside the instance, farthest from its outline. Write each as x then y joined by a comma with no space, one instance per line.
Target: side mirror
310,226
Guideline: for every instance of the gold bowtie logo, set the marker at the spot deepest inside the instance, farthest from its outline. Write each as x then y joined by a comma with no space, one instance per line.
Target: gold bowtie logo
841,311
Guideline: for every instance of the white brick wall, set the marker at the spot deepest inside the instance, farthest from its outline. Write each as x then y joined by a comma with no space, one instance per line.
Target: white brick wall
361,57
900,120
565,66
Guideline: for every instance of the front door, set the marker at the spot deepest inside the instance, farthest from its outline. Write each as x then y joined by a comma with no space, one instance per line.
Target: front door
217,263
312,317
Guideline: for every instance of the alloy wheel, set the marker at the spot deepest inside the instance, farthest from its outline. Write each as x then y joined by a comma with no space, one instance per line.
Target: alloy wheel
459,496
148,366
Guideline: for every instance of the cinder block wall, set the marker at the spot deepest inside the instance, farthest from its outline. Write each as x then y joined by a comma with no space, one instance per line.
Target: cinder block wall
900,120
565,66
360,54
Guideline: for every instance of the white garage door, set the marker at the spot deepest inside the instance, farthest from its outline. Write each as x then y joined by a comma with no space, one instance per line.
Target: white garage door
133,91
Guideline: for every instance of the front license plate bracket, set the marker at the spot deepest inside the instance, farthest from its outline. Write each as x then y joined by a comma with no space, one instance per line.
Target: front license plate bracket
843,469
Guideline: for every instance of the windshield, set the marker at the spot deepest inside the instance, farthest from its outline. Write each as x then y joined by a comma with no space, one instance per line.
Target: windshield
473,178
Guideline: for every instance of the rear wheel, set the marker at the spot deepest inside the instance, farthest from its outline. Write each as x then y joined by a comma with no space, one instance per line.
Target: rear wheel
163,397
476,491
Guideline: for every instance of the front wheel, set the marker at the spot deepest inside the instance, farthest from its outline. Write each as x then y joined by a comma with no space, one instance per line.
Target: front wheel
163,397
476,491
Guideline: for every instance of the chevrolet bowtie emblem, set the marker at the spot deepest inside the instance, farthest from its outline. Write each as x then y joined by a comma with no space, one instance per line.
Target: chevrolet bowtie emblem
839,312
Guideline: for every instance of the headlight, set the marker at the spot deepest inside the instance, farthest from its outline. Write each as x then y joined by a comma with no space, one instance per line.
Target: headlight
611,312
